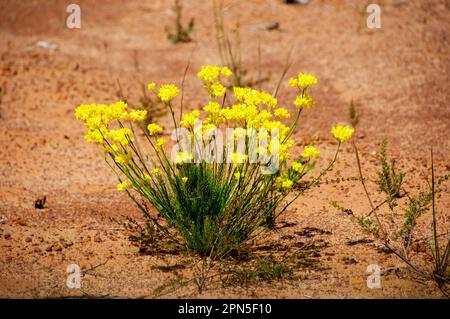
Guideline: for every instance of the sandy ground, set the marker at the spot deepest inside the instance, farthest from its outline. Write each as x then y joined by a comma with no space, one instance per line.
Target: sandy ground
398,77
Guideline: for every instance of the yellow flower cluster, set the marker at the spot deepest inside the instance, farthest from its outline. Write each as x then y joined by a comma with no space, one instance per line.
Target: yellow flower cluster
183,157
154,129
123,158
160,142
237,158
303,81
210,75
122,136
97,117
281,112
250,110
215,113
189,119
304,101
137,115
310,152
254,97
342,133
284,183
297,167
123,186
167,92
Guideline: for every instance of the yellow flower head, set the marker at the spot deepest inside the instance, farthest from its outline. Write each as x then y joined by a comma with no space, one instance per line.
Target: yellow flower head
111,149
97,135
237,175
209,73
137,115
160,142
226,72
146,177
310,152
215,113
183,157
184,179
151,86
237,158
115,111
281,112
303,81
342,133
189,119
298,167
154,129
253,97
123,186
121,135
154,171
304,102
123,158
285,182
216,89
167,92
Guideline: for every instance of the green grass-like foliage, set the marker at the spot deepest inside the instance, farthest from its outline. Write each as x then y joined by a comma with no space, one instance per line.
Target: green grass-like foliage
389,181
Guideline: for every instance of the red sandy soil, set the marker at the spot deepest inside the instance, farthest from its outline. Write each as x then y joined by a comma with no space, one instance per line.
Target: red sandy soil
398,77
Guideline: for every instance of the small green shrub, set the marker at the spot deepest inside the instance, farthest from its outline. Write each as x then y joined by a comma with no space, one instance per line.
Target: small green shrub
180,34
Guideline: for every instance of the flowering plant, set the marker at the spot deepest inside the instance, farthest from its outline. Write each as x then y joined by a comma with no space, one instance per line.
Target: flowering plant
213,195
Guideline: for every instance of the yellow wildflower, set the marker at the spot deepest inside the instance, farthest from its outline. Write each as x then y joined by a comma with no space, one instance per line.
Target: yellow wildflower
209,73
151,86
285,182
298,167
183,157
281,112
184,179
114,111
310,152
226,72
253,97
123,158
215,113
154,171
167,92
121,135
123,186
154,129
304,101
342,133
293,82
137,115
216,89
303,81
111,149
160,142
237,158
146,177
306,80
97,136
237,175
189,119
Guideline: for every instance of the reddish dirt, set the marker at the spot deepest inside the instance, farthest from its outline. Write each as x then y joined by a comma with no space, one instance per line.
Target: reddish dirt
398,77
